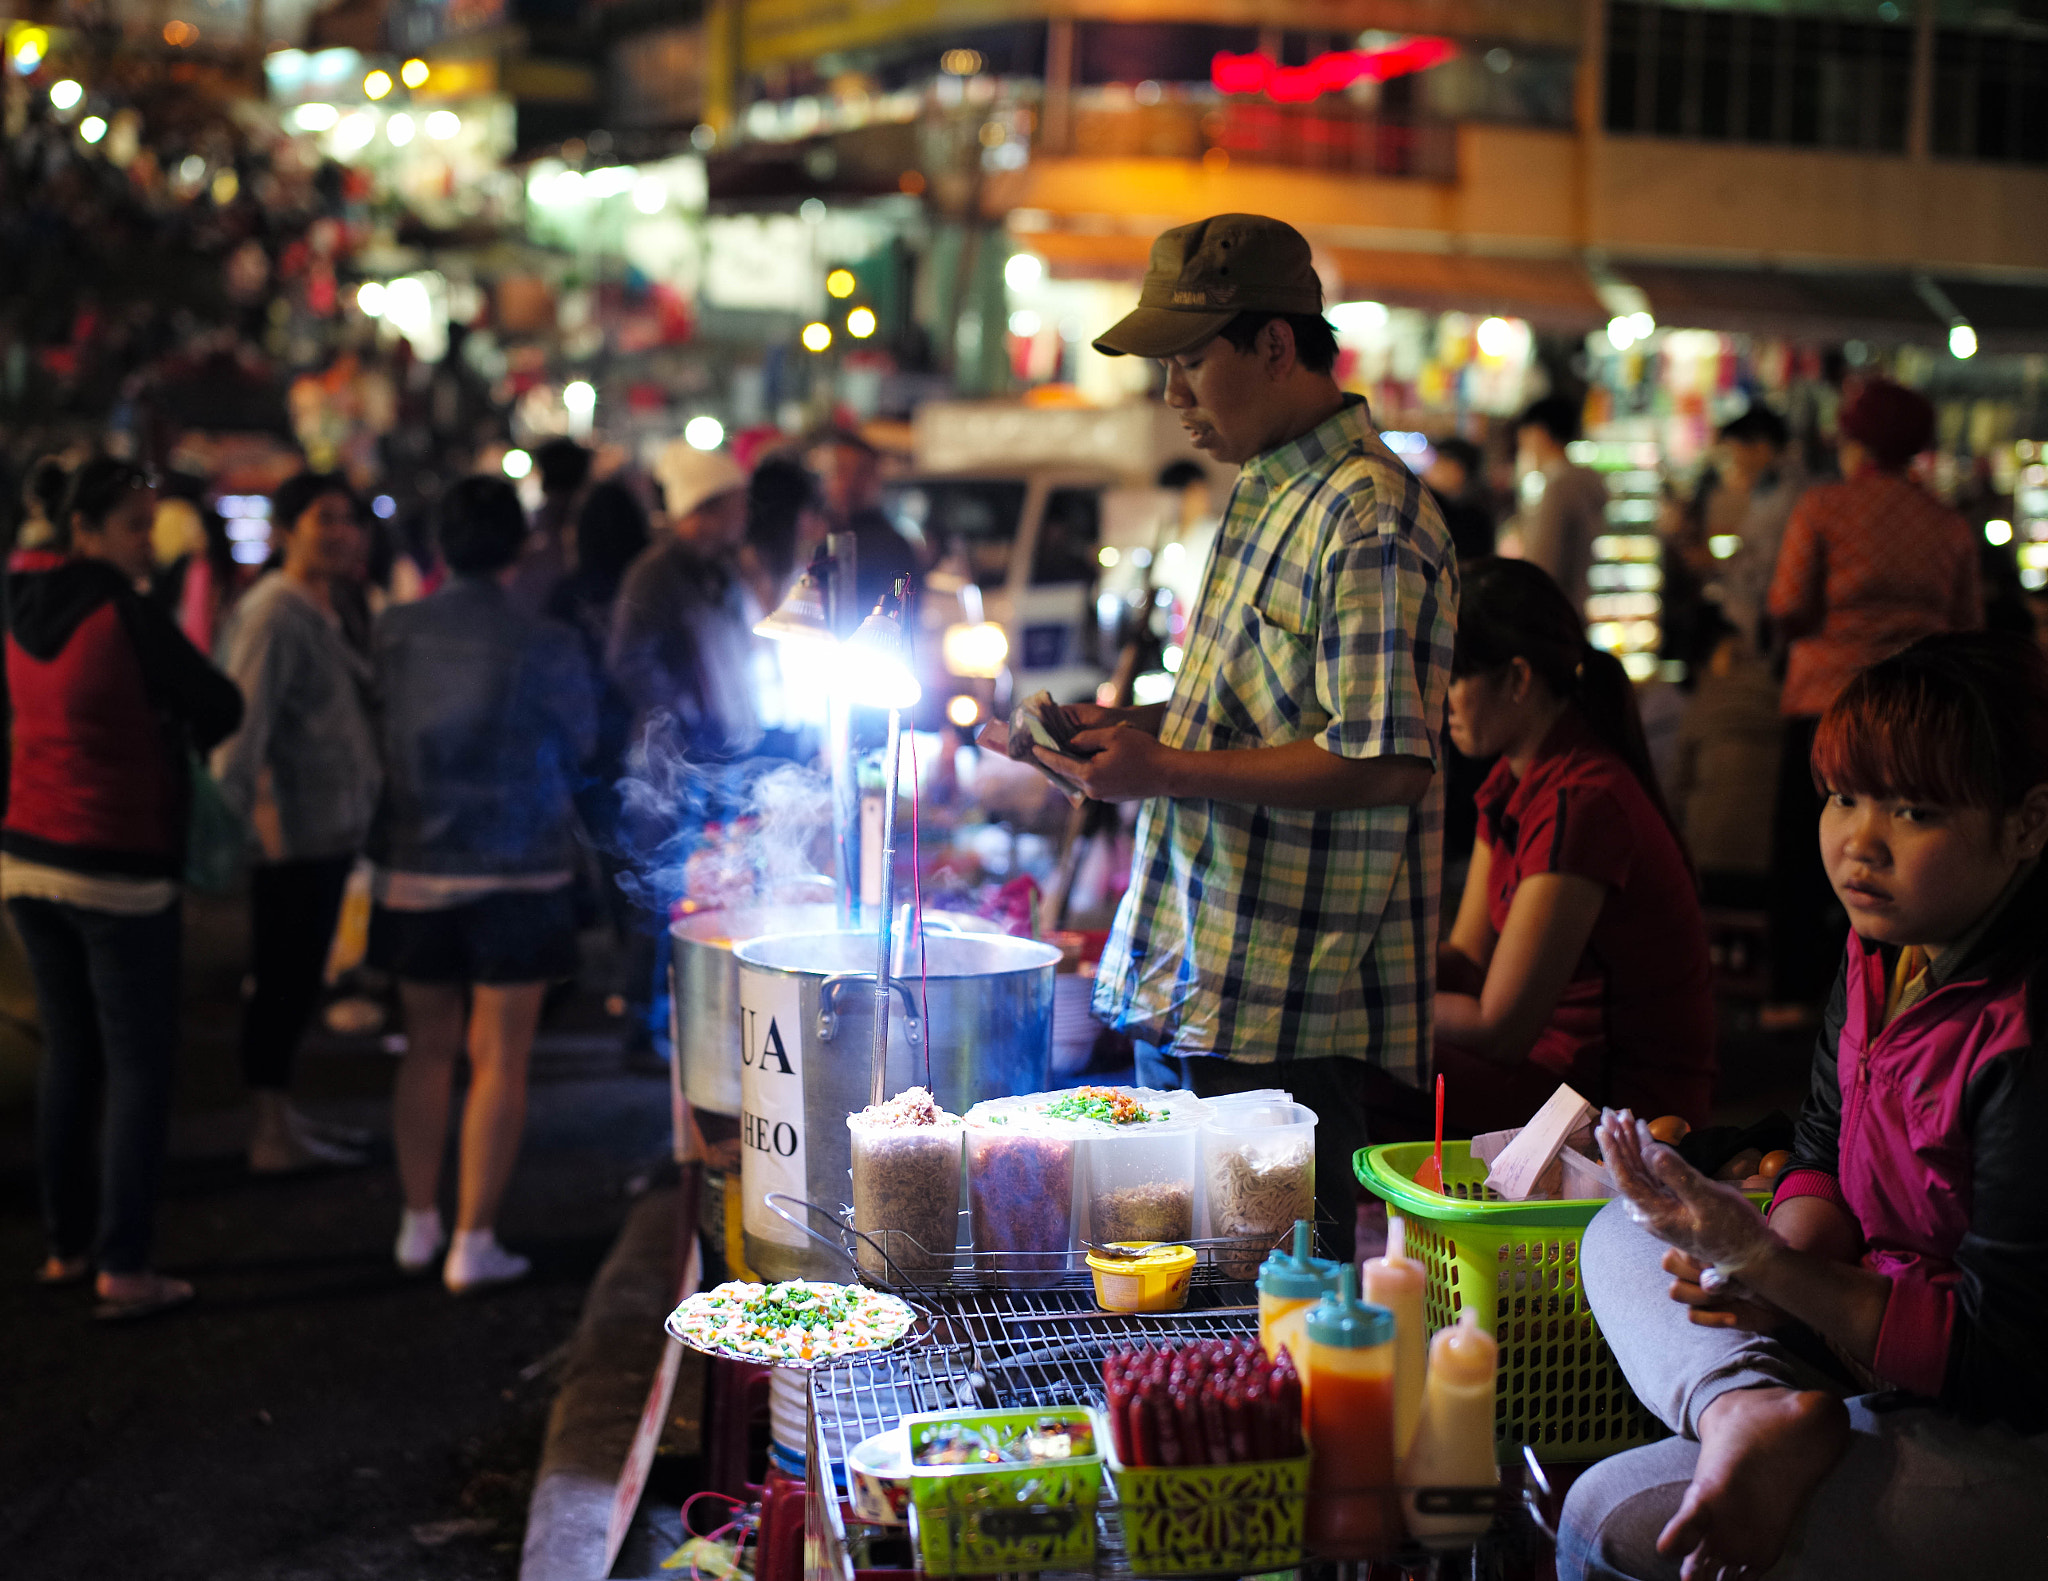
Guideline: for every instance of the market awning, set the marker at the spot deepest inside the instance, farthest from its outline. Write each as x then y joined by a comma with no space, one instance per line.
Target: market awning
1553,293
1809,305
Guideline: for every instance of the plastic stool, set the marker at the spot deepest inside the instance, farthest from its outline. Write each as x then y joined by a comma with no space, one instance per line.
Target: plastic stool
738,1400
782,1528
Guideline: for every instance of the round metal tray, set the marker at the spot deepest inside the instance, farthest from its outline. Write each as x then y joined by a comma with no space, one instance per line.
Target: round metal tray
921,1329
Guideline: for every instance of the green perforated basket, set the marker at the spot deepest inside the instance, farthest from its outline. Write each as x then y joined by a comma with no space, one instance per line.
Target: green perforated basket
1517,1265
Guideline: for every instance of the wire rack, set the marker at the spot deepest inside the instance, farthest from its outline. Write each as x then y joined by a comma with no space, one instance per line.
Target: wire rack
1027,1349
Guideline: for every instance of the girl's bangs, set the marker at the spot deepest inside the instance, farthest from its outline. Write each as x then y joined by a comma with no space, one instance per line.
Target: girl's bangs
1902,742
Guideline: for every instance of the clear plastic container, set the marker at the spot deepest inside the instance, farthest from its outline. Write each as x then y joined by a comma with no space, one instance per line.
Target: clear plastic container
1141,1182
1259,1175
906,1194
1020,1193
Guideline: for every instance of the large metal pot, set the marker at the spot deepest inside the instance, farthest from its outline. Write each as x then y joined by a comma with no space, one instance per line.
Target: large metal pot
806,1012
704,987
704,990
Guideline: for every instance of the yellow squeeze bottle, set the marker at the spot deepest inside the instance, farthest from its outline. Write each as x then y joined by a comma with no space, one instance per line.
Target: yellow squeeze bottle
1289,1285
1395,1282
1453,1446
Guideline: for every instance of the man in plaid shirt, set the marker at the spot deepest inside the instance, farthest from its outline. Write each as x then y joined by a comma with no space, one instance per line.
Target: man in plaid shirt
1280,928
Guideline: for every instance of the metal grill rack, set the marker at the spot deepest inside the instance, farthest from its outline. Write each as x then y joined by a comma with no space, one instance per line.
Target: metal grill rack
1037,1348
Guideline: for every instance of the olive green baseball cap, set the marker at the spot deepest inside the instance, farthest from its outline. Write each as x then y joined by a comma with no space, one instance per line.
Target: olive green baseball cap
1201,276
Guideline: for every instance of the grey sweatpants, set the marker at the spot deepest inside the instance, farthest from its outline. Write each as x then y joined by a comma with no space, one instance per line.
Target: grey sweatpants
1918,1495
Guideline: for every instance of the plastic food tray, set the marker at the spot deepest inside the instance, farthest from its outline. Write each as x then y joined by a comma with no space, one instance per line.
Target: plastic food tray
1196,1520
991,1520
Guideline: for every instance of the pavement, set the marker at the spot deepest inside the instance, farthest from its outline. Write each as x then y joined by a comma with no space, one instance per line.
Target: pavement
314,1415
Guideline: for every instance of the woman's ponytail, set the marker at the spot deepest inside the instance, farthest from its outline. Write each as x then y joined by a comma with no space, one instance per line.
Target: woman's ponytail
1607,699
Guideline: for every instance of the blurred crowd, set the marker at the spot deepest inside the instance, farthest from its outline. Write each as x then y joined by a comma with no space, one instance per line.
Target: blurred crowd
462,714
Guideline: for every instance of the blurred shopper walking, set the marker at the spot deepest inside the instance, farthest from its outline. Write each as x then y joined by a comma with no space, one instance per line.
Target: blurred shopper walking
549,553
611,532
108,702
488,715
682,634
681,651
1763,481
1868,566
850,472
1570,506
1457,477
303,771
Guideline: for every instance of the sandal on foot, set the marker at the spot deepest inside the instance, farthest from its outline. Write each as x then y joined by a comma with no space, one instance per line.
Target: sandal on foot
156,1293
64,1270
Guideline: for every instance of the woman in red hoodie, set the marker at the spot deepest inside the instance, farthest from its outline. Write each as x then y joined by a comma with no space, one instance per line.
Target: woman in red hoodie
1859,1384
107,699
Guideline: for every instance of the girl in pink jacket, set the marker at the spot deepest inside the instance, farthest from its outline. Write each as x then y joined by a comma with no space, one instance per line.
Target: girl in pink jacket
1859,1385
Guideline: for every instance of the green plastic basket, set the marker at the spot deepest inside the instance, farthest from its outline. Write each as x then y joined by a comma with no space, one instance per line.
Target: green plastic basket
1517,1265
1199,1520
991,1520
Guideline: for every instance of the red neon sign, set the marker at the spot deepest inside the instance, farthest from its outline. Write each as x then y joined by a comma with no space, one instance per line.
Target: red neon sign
1257,73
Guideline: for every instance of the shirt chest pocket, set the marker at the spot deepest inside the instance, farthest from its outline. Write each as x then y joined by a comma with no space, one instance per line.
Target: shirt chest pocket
1265,690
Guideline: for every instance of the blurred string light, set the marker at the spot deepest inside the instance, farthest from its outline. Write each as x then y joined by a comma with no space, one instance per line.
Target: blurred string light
1023,271
315,117
817,337
65,94
31,44
377,84
355,132
1962,342
399,129
414,73
704,433
860,323
180,35
1024,323
650,194
517,464
811,210
1998,532
1358,318
383,507
1626,330
443,124
225,185
579,399
840,283
92,128
1496,337
961,62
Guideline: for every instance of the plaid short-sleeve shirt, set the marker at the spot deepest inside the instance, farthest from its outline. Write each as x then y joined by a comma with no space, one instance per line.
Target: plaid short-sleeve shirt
1327,612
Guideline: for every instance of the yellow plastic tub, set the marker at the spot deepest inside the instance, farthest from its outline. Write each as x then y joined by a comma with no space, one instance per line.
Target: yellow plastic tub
1155,1281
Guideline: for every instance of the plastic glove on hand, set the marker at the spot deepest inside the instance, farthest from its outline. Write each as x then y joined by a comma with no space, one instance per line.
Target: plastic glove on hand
1711,1222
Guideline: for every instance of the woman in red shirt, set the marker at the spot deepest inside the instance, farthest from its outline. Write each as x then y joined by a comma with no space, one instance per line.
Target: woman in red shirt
1579,954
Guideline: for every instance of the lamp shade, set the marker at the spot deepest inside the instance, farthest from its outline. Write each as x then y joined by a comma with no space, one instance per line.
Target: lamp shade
875,672
800,617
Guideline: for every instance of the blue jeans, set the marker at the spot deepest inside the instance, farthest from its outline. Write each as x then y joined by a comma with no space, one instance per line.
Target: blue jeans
107,996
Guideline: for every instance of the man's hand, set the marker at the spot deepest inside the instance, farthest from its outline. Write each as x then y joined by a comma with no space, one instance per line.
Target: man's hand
1093,716
1728,1307
1126,763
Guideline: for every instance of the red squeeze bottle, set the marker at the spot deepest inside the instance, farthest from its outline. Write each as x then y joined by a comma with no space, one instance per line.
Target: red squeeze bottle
1353,1508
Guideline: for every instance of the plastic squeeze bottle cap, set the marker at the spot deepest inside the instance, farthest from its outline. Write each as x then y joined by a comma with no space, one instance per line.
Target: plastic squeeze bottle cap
1343,1322
1464,1354
1296,1277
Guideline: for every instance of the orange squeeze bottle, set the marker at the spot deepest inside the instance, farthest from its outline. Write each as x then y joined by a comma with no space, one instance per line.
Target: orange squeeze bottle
1353,1508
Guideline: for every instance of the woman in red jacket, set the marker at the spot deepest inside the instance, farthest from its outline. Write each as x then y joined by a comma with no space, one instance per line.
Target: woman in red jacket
107,699
1859,1384
1579,954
